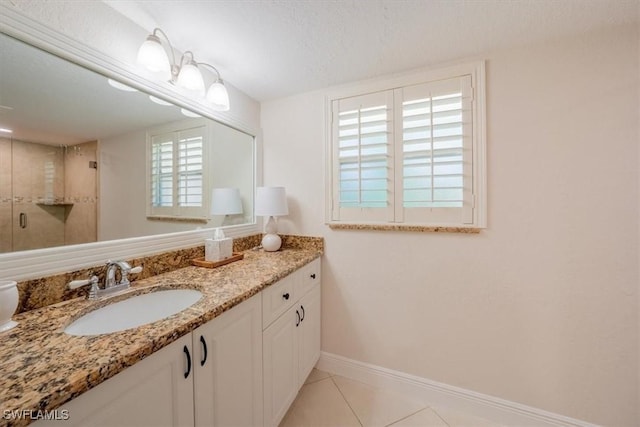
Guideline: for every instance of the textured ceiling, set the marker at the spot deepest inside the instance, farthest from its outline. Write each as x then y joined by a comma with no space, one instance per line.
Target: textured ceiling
272,49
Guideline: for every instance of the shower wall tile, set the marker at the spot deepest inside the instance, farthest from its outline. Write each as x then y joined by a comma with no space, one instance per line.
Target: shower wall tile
5,169
80,179
38,171
81,224
80,190
44,226
6,197
6,241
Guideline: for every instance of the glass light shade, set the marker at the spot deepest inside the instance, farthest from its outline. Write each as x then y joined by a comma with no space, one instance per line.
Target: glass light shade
160,101
271,201
226,201
153,57
190,78
189,113
121,86
218,96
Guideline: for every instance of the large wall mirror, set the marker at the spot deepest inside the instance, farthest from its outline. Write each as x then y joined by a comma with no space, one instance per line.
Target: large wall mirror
90,159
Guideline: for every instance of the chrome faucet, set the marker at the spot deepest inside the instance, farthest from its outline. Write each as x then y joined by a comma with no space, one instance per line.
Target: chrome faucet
110,276
111,286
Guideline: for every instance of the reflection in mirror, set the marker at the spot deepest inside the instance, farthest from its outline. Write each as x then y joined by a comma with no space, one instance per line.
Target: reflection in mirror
84,158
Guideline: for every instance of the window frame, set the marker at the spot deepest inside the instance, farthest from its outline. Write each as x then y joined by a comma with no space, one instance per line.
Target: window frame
476,219
176,212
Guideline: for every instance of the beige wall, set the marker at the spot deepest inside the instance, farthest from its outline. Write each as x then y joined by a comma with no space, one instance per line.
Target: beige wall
541,308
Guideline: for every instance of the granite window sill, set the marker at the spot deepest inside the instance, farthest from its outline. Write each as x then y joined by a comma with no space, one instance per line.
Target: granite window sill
404,227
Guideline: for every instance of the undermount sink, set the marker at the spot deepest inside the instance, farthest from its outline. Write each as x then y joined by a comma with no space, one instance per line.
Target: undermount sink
135,311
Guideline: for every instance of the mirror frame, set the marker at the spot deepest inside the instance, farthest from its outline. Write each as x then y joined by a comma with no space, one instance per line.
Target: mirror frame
38,263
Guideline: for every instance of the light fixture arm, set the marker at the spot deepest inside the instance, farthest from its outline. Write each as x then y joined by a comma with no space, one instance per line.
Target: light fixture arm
166,39
218,77
183,57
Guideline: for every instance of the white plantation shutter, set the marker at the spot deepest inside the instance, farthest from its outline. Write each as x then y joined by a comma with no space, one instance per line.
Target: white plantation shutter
190,163
162,171
435,156
363,155
177,175
405,155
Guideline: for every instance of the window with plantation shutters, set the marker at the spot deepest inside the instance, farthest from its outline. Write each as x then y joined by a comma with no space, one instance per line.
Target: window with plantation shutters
177,181
408,155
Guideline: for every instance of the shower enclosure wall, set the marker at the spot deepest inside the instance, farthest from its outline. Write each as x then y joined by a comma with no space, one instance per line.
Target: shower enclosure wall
48,194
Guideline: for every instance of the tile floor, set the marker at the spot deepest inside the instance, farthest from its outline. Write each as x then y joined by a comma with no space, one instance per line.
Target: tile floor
334,401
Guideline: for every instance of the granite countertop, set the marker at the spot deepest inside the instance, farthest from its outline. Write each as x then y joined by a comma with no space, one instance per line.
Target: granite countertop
42,367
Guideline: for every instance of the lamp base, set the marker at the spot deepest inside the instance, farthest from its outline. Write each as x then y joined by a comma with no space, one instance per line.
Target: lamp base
271,242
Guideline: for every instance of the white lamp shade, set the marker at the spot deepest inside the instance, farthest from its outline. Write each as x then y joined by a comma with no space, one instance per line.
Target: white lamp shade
226,201
218,96
190,78
153,57
271,201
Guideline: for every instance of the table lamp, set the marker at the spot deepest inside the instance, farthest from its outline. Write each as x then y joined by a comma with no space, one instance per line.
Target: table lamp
225,201
271,202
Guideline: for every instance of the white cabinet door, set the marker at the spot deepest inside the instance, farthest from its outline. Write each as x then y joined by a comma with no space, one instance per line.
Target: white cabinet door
228,371
280,347
291,344
309,333
157,391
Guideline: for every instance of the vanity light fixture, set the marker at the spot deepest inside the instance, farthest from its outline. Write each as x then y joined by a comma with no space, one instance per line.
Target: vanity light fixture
271,202
152,55
5,130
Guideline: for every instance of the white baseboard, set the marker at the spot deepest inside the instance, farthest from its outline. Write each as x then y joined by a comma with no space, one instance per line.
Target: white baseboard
438,394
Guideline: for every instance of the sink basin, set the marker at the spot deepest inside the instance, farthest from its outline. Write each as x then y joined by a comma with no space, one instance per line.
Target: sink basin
135,311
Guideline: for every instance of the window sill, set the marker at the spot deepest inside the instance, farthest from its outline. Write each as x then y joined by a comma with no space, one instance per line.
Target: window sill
404,227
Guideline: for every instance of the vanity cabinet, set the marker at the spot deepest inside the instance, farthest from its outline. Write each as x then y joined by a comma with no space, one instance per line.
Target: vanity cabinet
228,371
157,391
291,342
210,377
243,368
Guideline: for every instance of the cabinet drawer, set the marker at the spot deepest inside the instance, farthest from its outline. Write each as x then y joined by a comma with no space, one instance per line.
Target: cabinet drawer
277,299
309,276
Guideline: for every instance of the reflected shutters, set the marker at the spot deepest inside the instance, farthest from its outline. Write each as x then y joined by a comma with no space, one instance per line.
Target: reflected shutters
176,169
190,162
405,155
162,171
